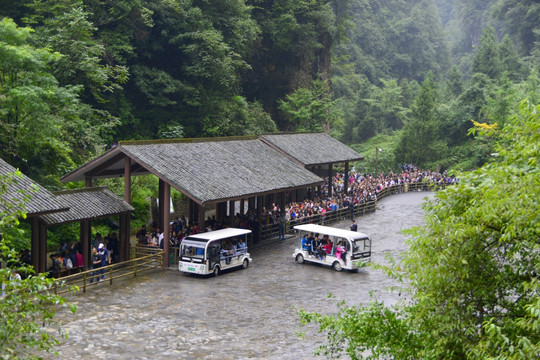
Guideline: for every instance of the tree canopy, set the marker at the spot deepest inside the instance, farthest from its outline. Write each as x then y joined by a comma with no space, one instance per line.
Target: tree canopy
471,272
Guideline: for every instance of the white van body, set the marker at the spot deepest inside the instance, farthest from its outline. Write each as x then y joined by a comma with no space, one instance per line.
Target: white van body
207,253
357,247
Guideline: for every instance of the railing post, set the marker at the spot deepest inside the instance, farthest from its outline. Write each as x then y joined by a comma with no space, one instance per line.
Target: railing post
110,275
84,282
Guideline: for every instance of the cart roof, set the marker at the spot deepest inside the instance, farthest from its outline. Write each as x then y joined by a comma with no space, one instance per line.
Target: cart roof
218,234
326,230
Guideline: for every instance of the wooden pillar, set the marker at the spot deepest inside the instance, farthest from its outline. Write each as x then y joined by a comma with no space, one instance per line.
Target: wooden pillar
165,221
191,210
242,205
201,216
84,235
161,201
346,179
251,202
127,180
42,248
259,207
330,174
231,212
88,181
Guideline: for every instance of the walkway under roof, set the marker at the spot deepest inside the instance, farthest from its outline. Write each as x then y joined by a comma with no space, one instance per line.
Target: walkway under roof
206,170
312,149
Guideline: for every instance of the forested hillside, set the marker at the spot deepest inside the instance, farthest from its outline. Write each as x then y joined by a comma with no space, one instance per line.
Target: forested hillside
405,76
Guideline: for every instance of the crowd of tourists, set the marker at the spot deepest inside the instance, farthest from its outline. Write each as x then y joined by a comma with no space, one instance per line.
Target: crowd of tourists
361,188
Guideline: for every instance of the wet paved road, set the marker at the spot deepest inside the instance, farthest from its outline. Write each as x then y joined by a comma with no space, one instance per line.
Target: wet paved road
244,314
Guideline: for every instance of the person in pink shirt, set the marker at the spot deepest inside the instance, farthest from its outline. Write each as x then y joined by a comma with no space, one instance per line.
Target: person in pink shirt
79,260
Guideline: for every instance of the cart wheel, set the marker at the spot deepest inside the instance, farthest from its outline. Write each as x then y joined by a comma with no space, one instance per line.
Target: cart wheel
300,258
337,266
217,270
245,264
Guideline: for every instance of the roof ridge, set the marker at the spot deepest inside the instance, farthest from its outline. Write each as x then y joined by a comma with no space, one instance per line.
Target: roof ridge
78,190
187,140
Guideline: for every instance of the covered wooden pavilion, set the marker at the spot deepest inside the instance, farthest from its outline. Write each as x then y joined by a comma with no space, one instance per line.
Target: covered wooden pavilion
318,152
45,209
207,171
89,204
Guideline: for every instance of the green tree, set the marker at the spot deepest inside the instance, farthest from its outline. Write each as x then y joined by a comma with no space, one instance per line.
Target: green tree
420,142
471,271
487,60
64,27
43,125
521,20
310,109
386,104
27,304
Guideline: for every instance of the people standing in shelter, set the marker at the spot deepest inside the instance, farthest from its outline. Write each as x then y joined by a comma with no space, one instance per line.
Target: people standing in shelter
141,235
96,264
79,261
160,238
97,240
114,247
105,257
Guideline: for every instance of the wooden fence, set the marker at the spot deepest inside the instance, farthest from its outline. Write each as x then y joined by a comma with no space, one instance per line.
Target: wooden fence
136,265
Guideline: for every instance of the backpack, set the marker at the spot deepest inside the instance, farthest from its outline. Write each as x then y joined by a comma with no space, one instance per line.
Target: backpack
69,263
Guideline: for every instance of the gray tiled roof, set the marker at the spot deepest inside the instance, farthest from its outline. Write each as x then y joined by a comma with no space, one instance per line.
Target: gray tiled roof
41,201
312,148
87,204
209,171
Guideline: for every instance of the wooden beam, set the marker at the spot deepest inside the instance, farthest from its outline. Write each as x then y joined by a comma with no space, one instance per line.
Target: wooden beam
127,180
165,224
84,235
42,263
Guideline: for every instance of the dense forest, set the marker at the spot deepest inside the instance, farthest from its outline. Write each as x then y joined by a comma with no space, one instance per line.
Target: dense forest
408,77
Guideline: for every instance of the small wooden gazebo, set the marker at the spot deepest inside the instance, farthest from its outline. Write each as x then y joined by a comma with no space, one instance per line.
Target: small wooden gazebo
89,204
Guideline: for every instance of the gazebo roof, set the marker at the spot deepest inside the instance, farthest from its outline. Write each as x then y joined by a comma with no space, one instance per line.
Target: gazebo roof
87,204
311,149
41,201
206,170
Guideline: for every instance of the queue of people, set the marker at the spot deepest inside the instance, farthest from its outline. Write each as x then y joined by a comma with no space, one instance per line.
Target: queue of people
361,188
